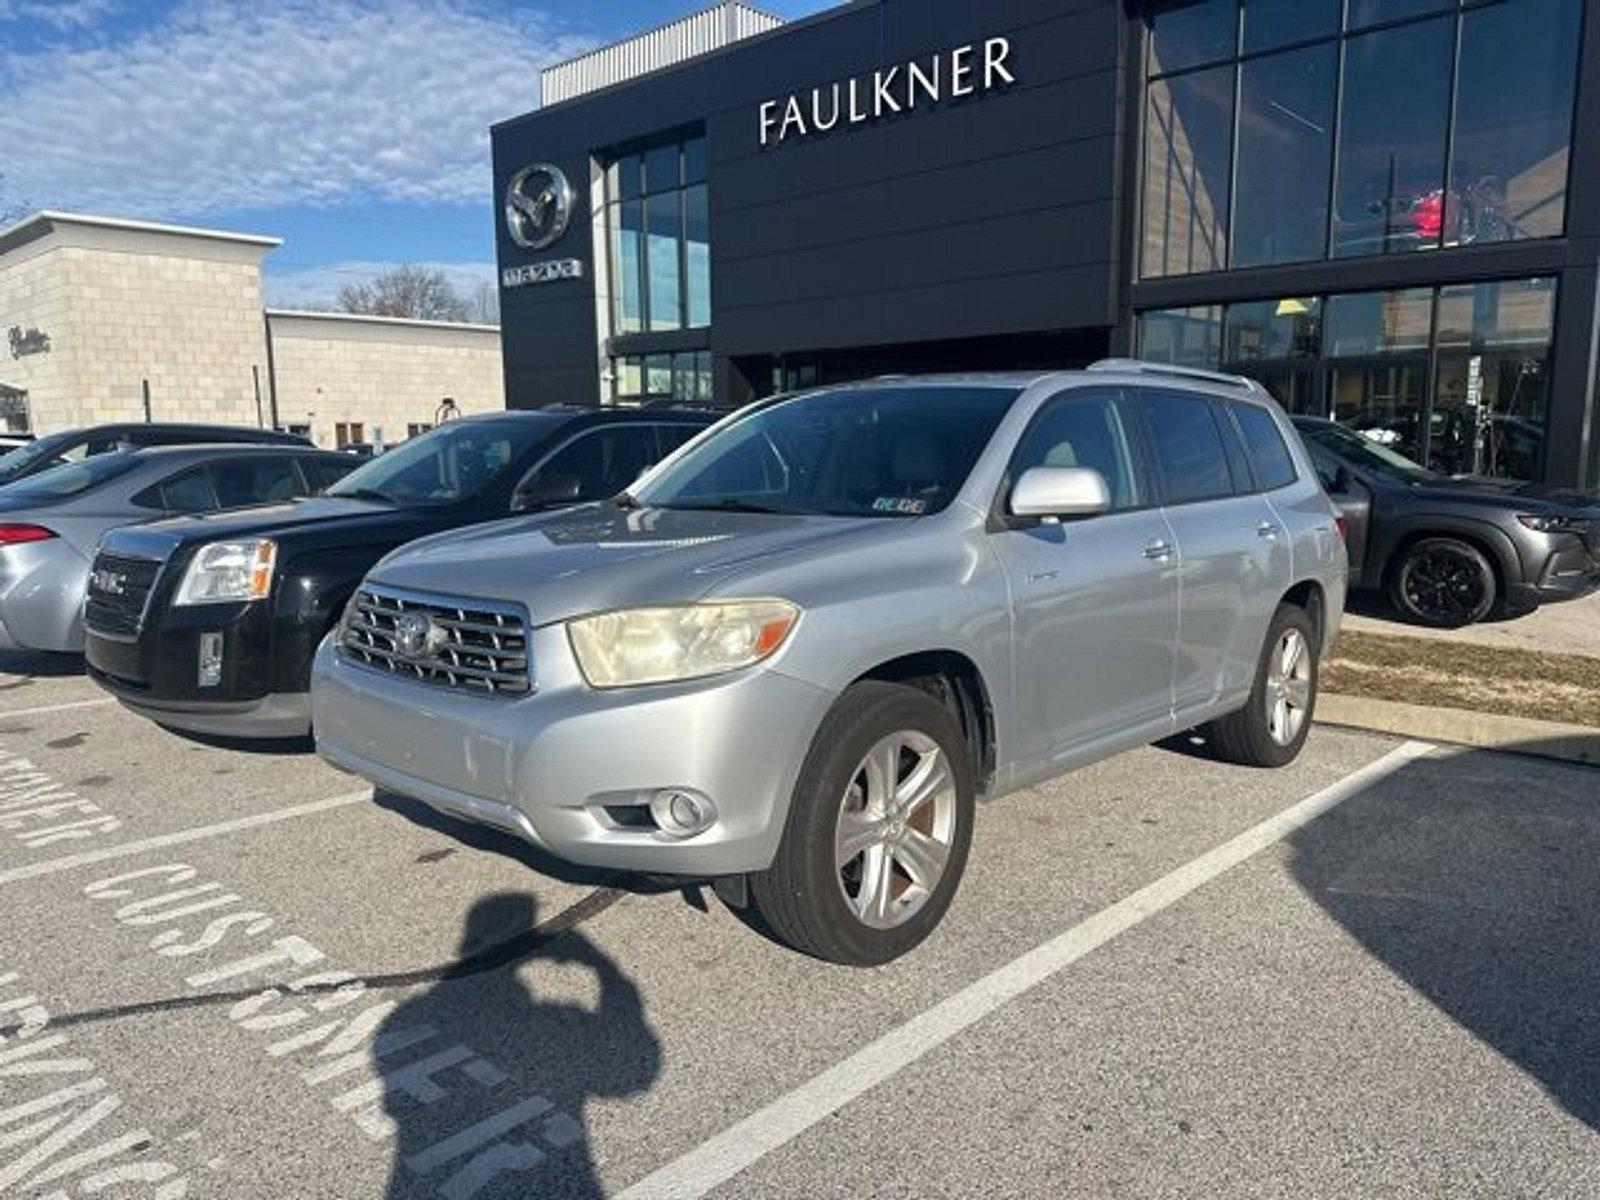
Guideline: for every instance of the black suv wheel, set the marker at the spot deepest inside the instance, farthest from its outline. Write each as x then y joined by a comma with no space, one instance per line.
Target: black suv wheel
1443,582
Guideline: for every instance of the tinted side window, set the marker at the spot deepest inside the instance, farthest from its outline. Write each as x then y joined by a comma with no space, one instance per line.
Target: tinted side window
1188,447
189,492
1084,429
323,473
1269,456
673,436
604,461
254,481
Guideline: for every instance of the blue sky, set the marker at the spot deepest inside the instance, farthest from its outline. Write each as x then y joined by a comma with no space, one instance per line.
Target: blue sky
356,130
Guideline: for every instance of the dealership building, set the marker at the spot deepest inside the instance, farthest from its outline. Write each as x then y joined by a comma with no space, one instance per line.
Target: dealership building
108,320
1376,207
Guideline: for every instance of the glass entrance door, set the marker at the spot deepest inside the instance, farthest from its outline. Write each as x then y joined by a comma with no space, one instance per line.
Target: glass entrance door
1383,399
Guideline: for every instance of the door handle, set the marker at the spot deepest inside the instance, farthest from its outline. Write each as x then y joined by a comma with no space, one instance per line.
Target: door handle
1158,550
1269,531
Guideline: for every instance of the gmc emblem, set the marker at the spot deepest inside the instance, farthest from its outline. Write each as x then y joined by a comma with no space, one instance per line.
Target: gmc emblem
110,582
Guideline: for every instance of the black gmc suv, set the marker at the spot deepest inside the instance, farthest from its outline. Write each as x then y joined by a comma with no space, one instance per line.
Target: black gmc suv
214,619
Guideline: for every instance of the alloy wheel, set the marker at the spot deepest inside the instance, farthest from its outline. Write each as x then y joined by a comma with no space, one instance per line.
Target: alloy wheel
1443,586
1288,690
896,827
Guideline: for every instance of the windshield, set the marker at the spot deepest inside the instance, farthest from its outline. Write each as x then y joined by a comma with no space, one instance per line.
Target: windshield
858,452
455,462
1363,453
59,446
70,479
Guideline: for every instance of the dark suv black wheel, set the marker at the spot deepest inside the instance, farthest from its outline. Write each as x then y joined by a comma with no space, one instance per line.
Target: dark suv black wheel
1443,582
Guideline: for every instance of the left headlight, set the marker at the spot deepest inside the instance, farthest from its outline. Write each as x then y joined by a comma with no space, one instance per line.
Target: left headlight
1547,523
693,641
229,572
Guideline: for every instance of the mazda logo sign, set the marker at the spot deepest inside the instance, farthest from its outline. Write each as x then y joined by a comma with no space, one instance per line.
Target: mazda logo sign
538,206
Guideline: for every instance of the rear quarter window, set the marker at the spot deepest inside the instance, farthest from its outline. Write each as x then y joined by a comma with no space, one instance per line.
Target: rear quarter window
1188,446
1269,454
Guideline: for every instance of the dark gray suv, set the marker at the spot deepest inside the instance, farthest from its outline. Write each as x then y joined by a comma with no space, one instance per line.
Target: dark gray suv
1449,551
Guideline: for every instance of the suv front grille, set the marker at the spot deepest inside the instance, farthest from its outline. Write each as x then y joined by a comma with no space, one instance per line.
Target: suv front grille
119,591
475,645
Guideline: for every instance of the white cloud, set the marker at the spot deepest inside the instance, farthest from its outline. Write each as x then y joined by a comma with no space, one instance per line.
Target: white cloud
317,287
58,14
229,105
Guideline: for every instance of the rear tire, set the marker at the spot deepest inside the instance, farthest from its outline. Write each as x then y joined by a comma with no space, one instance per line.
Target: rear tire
1443,583
878,831
1272,728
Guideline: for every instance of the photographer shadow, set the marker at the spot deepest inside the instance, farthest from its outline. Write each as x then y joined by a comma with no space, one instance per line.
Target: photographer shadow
508,1121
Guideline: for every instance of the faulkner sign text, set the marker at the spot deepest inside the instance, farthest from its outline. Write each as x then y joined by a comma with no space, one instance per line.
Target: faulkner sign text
905,87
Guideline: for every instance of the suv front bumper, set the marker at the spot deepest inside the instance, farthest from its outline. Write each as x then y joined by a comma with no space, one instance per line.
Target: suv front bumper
573,769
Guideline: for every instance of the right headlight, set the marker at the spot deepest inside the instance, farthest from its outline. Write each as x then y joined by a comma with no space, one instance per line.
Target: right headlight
229,572
639,646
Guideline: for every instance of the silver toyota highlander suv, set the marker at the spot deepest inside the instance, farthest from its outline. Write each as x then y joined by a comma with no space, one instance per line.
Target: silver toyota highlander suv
792,657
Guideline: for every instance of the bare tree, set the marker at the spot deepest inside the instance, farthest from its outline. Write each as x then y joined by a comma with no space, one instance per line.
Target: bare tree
485,302
11,209
406,291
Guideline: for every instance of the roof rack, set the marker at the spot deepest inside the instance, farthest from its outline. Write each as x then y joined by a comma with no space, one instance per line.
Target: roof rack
1141,367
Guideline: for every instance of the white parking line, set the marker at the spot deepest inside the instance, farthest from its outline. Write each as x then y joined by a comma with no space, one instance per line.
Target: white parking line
7,714
181,838
745,1143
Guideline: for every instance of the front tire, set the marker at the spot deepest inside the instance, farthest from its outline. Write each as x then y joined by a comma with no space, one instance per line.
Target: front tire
1443,583
878,832
1272,728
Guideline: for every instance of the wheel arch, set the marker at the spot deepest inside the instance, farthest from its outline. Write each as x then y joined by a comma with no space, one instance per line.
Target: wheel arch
956,681
1486,539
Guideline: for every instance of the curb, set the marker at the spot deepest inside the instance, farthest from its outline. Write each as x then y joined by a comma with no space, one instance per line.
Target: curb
1486,731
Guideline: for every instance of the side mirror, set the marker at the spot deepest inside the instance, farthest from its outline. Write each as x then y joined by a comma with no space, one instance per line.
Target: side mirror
1060,493
547,492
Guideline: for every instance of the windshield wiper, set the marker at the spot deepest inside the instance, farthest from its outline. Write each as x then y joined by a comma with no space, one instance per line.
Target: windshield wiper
732,504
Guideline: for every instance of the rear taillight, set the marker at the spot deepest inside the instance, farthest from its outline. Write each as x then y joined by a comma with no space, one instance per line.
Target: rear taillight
1342,524
1428,215
18,535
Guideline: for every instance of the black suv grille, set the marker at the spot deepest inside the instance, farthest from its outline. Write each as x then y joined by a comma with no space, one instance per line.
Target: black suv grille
119,591
475,645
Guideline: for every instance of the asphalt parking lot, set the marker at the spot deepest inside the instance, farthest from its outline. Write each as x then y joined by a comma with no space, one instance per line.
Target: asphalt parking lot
241,975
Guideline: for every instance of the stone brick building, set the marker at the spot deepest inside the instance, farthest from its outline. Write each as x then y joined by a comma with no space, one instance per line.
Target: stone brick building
98,314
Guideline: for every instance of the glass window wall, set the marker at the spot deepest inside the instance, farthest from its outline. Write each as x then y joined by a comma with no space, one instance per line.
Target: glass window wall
1274,136
1454,377
658,214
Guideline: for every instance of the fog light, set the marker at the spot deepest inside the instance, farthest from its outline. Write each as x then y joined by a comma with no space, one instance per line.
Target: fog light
210,659
682,814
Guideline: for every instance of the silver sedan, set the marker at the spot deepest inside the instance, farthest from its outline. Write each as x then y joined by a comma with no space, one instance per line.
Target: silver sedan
51,523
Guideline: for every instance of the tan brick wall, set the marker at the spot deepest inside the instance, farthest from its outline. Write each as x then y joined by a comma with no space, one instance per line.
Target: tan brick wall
383,374
123,305
33,295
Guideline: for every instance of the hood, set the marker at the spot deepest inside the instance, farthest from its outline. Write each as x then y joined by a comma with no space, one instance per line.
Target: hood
600,557
327,520
1483,488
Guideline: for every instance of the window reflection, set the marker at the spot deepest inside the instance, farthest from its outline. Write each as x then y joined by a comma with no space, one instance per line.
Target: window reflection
1392,121
1249,184
1187,179
1285,154
1491,399
684,377
1514,120
1454,377
658,214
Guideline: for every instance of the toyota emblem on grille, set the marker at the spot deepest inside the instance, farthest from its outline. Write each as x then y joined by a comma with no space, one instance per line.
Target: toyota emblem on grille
416,636
112,583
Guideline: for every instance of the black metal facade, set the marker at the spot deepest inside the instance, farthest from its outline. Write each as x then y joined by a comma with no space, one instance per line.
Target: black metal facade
993,229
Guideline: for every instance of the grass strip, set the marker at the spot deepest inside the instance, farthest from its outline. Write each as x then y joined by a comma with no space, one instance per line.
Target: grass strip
1516,683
